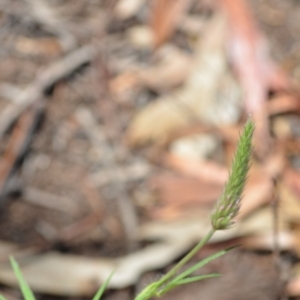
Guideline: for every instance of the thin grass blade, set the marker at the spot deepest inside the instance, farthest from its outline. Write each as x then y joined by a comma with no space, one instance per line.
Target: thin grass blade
2,297
200,265
172,285
25,289
196,278
102,289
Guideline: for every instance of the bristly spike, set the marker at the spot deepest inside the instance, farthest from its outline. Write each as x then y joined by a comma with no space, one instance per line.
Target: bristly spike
228,205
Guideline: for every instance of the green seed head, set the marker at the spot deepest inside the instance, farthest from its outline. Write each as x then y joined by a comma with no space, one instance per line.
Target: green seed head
228,205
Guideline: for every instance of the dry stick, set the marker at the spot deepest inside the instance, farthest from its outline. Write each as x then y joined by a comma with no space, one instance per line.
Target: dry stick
34,94
43,82
275,207
50,201
9,91
14,144
17,146
46,16
277,259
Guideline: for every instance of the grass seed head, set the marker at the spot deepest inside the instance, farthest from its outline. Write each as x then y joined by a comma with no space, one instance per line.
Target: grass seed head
228,205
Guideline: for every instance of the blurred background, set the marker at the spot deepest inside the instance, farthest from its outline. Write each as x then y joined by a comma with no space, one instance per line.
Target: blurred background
118,123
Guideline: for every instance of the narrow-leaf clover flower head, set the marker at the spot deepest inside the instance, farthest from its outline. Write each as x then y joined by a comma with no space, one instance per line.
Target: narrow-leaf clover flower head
228,205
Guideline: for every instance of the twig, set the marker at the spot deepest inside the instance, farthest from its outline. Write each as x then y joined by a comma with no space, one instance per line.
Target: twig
43,82
275,206
50,201
46,16
277,259
9,91
17,147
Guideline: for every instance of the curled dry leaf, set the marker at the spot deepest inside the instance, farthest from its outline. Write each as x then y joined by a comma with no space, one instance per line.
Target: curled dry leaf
180,191
283,103
210,94
259,188
169,72
205,170
178,196
257,73
249,52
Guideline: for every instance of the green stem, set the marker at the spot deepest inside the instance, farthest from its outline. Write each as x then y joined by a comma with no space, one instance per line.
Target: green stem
185,259
154,288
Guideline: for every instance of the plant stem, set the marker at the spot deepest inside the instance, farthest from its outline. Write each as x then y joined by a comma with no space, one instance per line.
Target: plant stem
154,288
186,258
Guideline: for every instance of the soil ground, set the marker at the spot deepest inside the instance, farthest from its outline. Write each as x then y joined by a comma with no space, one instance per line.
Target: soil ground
79,135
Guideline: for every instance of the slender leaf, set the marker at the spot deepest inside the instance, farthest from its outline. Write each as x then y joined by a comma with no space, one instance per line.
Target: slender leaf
26,291
200,265
101,290
196,278
172,285
149,291
167,288
2,297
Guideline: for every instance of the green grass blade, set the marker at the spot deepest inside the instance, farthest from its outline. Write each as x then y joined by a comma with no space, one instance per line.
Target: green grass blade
2,297
102,289
196,278
172,285
25,289
200,265
148,292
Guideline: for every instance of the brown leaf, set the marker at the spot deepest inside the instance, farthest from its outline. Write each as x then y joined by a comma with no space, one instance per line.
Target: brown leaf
249,53
206,171
258,192
38,47
283,103
257,72
179,196
170,71
184,190
210,94
166,14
